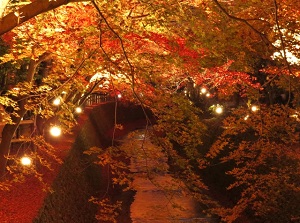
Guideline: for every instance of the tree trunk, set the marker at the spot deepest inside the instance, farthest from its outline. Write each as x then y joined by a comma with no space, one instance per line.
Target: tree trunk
7,135
9,130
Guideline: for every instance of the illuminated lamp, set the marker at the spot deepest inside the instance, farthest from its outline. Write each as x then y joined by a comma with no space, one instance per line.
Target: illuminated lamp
78,110
119,95
219,110
203,90
55,131
254,108
246,117
26,161
56,101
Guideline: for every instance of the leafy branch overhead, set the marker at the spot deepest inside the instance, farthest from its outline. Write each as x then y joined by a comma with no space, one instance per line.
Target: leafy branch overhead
221,79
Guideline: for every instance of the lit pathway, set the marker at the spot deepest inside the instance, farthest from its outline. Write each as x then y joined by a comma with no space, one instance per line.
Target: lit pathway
159,198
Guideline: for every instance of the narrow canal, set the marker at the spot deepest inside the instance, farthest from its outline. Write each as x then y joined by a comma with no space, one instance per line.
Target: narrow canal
159,197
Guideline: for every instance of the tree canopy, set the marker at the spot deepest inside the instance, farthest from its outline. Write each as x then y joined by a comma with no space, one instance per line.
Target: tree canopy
181,59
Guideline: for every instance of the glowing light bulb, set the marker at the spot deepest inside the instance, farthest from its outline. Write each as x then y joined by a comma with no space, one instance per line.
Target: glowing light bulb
55,131
26,161
208,95
246,117
78,110
254,108
119,96
219,110
203,90
56,101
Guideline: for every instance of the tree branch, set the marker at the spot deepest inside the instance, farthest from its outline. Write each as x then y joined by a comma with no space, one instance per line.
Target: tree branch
118,37
127,60
283,46
245,21
29,11
33,65
3,5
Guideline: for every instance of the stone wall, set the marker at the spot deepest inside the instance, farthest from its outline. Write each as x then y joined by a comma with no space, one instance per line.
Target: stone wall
79,179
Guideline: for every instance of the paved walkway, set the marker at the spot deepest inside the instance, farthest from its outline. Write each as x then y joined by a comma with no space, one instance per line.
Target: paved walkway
159,198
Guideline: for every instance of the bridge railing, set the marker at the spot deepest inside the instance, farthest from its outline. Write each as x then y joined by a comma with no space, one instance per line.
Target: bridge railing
98,98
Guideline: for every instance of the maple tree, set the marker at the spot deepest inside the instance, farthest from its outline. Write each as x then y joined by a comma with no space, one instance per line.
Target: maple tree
27,48
160,54
264,161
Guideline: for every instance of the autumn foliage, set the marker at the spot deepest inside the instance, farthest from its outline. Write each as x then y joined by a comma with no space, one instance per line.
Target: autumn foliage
161,55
